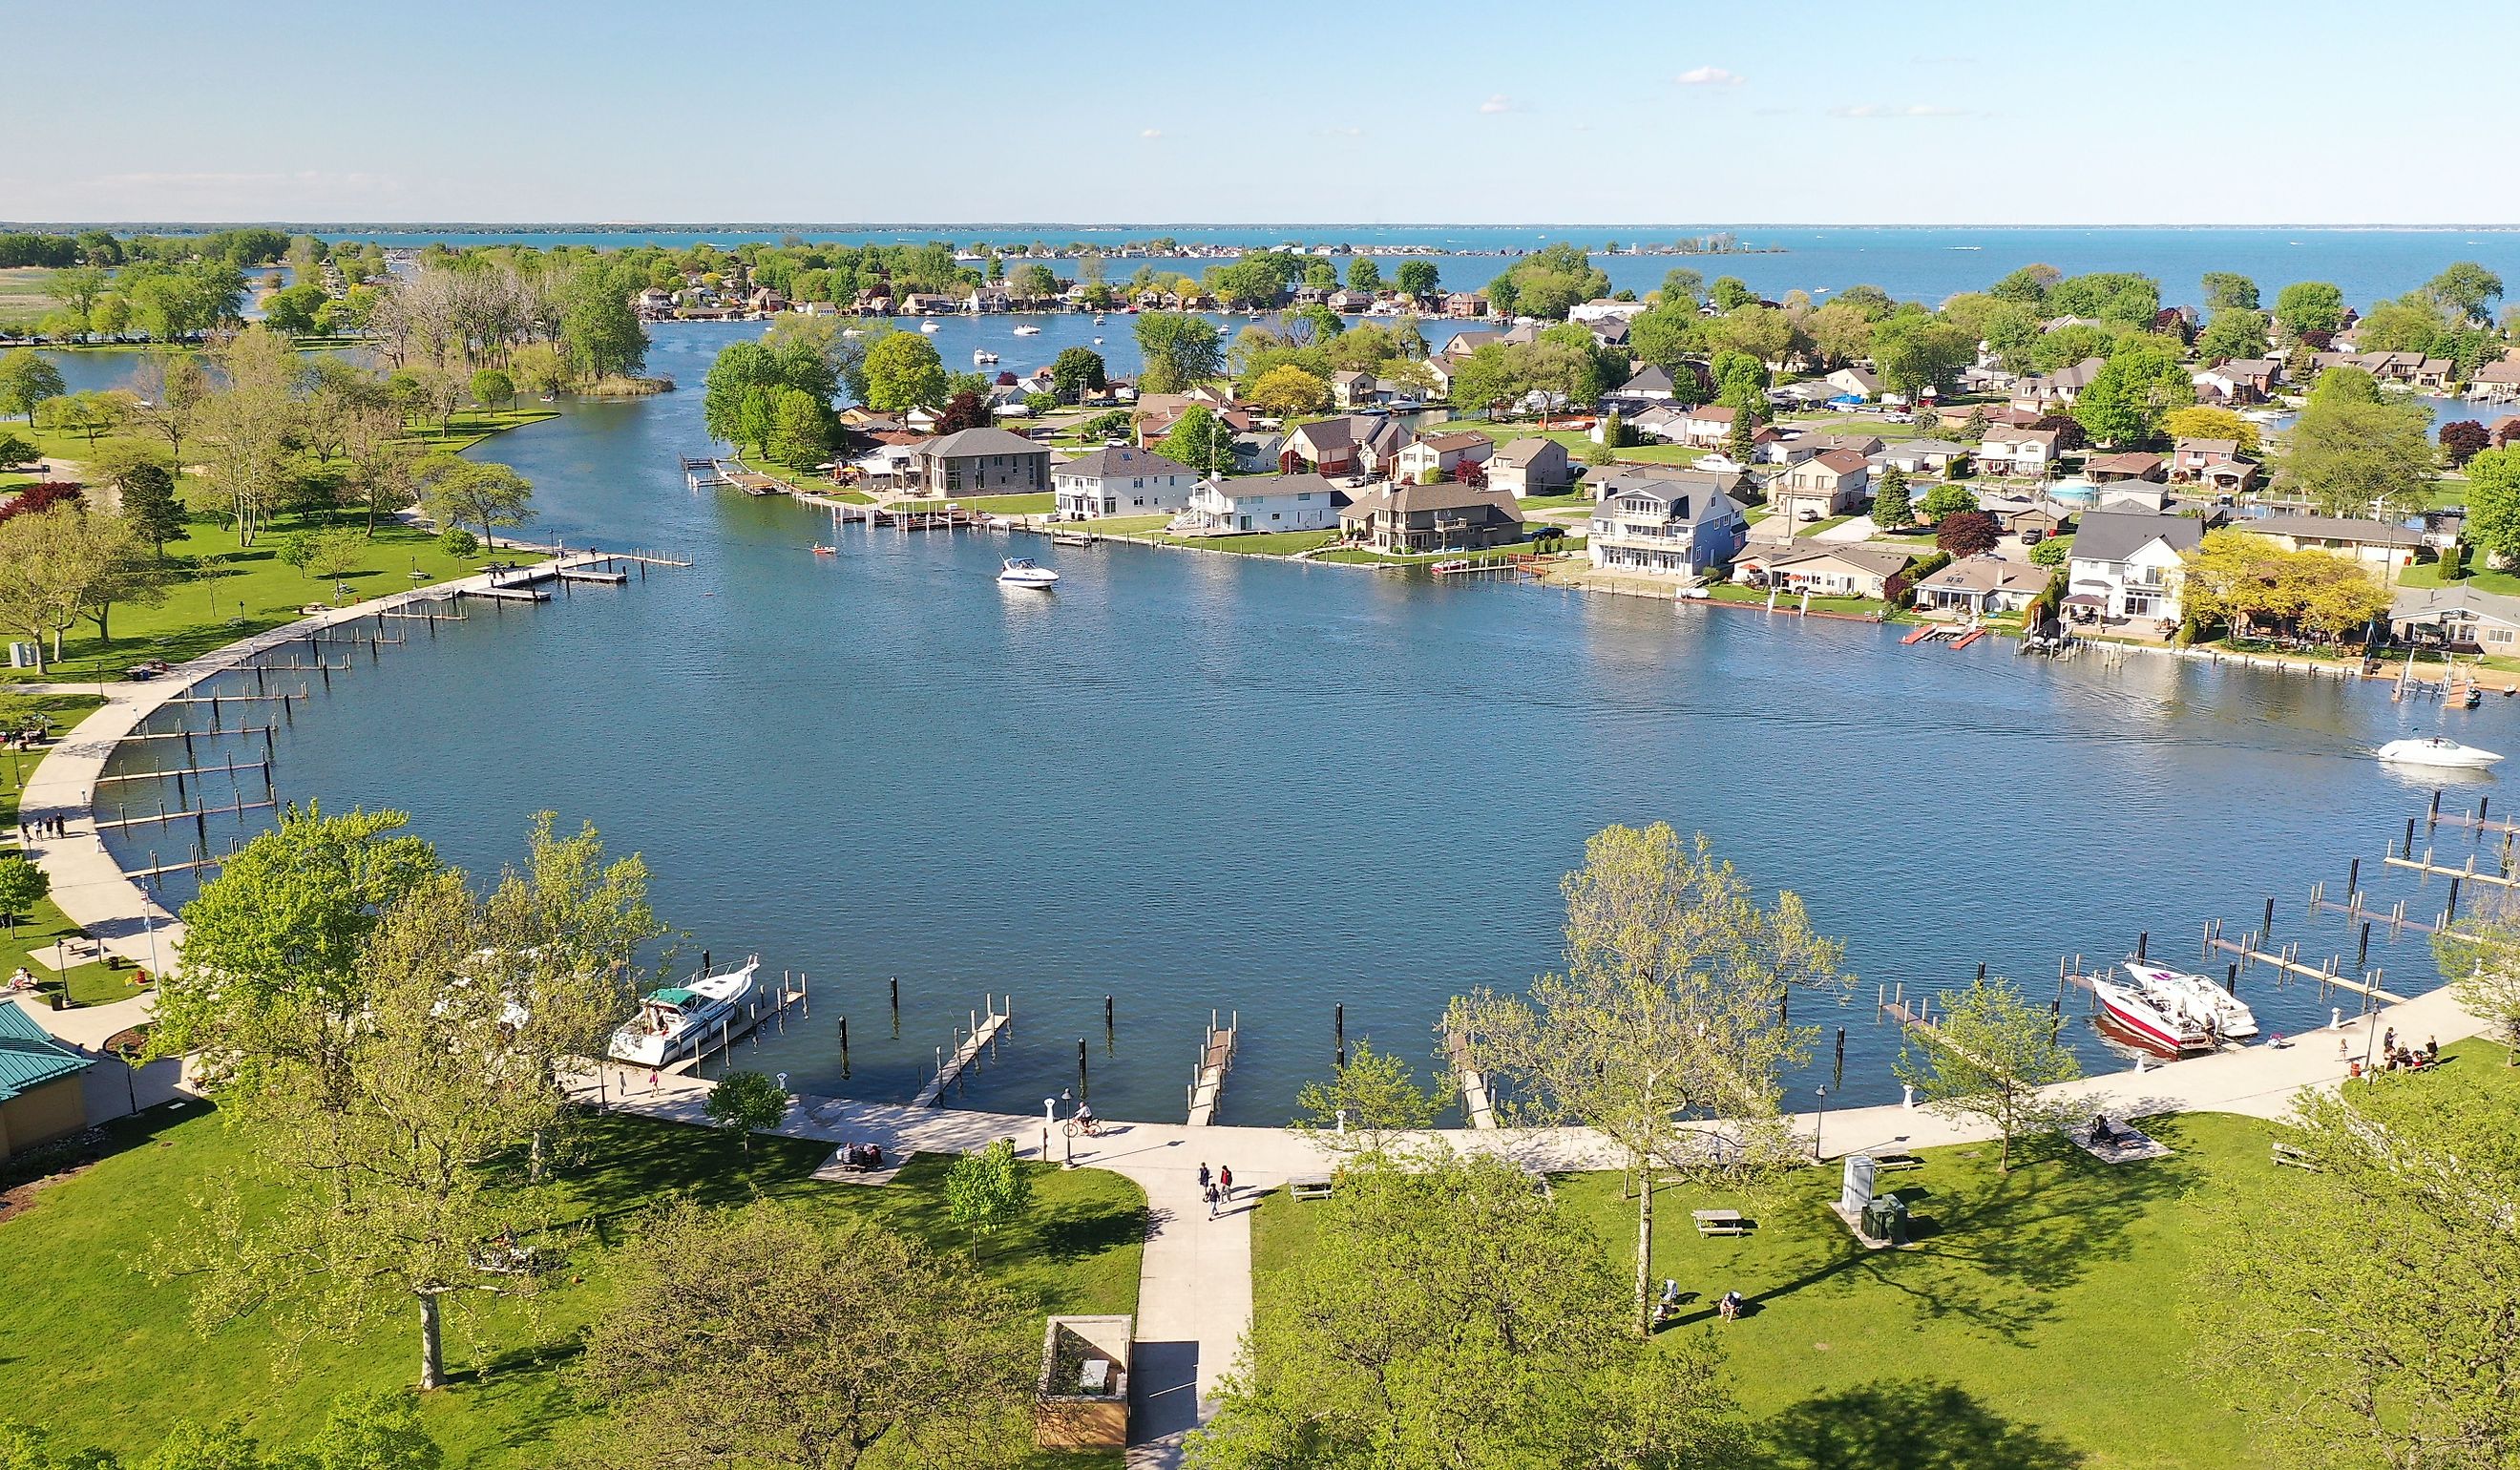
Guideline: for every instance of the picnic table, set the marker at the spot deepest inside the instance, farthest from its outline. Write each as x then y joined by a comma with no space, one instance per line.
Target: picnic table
1720,1221
1894,1163
1308,1187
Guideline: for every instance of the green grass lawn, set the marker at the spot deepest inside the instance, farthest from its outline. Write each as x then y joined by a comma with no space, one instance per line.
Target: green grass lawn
1727,591
1830,523
2429,574
1256,544
1576,440
2041,1305
1124,526
221,592
1575,501
1363,556
93,1349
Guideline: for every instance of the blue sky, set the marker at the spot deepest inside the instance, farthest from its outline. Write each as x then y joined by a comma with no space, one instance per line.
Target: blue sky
2134,113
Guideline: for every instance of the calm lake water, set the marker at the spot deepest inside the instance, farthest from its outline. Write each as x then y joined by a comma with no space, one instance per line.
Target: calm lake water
1197,781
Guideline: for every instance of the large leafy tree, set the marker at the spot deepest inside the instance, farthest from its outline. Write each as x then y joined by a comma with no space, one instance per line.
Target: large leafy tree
1180,350
26,380
2467,288
2308,306
1203,441
1913,352
858,1346
458,491
1370,1104
2246,581
2233,332
1287,390
2353,453
1549,282
2363,1312
1449,1312
1990,1055
2225,291
2494,502
903,372
1077,371
2141,381
1666,1030
2200,422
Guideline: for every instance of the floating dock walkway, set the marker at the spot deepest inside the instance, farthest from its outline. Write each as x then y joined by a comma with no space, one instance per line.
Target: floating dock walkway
986,1023
1215,1059
1478,1105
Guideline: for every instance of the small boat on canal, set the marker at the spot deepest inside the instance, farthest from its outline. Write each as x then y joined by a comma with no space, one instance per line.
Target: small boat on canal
1023,571
2438,751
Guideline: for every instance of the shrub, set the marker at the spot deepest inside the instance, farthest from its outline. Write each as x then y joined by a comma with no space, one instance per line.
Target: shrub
459,542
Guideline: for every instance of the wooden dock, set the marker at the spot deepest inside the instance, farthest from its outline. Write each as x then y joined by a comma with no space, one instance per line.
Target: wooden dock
947,518
1479,1103
986,1023
2287,962
1511,567
1216,1058
749,481
508,592
597,575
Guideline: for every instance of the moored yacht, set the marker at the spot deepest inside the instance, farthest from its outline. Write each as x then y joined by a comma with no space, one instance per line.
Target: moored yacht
2205,1000
2154,1018
680,1020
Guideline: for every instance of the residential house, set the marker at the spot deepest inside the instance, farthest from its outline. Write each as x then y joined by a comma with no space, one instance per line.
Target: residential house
1329,446
1649,386
1708,425
2387,550
2237,384
2017,452
1349,303
1445,454
2459,617
1839,570
1257,451
1605,309
2497,381
1350,389
920,304
1530,467
1980,585
1120,481
2017,514
988,301
2133,464
2214,462
1440,368
1463,304
1995,415
1830,483
983,461
41,1095
1259,504
1939,457
1666,523
1406,517
1855,382
2046,393
1609,332
2124,563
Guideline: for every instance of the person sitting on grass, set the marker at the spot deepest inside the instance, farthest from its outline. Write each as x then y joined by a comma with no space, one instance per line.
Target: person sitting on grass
1730,1308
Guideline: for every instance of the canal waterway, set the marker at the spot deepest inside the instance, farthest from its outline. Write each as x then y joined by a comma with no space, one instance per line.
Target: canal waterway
1194,781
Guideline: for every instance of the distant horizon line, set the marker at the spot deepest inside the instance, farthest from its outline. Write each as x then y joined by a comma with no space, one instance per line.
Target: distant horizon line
696,227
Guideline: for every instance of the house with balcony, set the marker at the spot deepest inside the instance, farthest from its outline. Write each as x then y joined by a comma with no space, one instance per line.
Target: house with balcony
1674,524
1260,503
2386,549
2125,564
2216,464
1830,483
2049,393
2238,382
1707,426
1403,518
1120,480
2024,454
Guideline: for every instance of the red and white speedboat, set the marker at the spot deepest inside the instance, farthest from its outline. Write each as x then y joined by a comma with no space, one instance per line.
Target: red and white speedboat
2205,1000
2156,1017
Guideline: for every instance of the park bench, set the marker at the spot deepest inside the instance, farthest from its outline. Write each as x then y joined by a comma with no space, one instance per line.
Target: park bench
1310,1186
1720,1221
2294,1156
1895,1163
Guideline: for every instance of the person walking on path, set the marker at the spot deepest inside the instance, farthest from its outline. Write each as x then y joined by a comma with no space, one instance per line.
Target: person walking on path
652,1079
1225,1181
1203,1176
1211,1196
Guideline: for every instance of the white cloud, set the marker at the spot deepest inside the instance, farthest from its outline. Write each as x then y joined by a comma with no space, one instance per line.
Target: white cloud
1890,110
1150,133
1708,76
1500,103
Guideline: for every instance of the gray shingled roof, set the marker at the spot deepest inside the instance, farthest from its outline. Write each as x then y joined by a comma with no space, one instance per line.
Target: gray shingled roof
2115,535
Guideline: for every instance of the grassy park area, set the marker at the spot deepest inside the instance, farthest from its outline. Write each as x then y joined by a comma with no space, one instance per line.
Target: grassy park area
2034,1324
94,1349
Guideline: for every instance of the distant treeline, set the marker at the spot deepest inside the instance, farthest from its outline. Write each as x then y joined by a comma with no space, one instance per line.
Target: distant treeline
102,247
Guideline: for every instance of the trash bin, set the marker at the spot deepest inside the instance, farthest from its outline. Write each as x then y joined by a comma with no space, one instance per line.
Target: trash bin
1886,1217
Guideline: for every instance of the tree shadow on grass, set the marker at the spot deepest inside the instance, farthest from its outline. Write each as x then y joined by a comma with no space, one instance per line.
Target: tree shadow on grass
1906,1424
1075,1232
1994,1249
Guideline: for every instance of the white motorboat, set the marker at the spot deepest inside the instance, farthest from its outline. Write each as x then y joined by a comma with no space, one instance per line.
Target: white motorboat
2437,751
681,1020
1021,571
1028,330
982,356
2153,1017
1097,321
2206,1000
928,325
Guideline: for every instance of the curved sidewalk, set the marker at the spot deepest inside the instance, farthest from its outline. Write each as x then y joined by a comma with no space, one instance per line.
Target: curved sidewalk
88,884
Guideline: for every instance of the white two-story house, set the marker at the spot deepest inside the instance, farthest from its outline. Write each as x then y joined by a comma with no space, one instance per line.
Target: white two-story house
1666,523
1121,481
1260,503
2124,563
